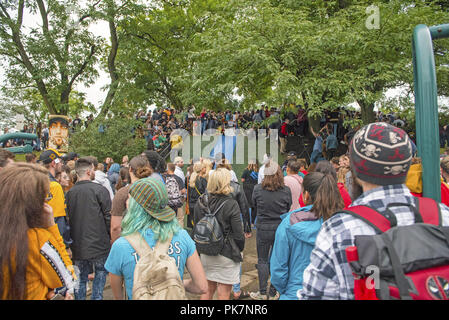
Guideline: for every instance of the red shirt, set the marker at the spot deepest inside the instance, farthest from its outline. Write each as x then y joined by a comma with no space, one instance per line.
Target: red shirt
284,129
344,194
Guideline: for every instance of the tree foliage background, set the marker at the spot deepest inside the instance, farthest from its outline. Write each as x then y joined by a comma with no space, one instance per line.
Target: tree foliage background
205,53
114,137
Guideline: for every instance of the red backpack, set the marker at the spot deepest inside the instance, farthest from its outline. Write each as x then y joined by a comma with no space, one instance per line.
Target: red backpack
401,262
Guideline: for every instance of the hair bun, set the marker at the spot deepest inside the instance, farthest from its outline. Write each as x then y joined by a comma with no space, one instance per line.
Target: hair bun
143,172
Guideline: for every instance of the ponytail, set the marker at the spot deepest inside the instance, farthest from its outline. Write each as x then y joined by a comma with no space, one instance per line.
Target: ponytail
197,167
323,190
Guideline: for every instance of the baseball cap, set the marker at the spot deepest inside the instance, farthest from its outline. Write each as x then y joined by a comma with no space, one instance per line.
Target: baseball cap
152,196
49,155
70,156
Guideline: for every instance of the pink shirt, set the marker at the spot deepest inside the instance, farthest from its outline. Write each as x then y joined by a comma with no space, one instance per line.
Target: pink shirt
294,182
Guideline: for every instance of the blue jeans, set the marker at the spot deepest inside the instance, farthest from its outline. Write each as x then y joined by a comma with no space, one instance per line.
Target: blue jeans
316,156
85,267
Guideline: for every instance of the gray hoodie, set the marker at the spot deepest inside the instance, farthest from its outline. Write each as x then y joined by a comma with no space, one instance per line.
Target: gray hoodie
102,179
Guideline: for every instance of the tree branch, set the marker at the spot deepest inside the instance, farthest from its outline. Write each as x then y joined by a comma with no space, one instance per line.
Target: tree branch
83,66
20,13
150,40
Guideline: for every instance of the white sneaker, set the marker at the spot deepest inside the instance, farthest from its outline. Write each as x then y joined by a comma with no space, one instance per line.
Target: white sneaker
258,296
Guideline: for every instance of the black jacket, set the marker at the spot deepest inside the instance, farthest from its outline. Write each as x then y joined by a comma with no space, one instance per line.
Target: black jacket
229,218
271,204
239,195
89,211
193,195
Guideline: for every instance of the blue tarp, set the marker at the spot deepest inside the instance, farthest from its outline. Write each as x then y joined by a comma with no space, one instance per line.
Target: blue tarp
225,145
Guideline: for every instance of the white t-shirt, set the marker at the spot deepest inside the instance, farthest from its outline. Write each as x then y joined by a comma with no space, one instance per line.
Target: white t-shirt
261,174
180,173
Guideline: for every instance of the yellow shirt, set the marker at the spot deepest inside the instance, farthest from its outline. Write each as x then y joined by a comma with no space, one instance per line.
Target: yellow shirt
176,141
49,265
58,200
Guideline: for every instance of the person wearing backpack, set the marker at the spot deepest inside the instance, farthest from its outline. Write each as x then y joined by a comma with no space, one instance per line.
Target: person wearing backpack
196,186
221,261
295,236
176,191
380,156
150,225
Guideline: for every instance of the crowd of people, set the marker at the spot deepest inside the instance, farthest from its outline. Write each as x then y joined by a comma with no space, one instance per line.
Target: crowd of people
76,215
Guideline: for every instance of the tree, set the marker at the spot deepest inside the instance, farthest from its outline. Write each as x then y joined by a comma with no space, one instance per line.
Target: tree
153,59
322,54
52,56
118,137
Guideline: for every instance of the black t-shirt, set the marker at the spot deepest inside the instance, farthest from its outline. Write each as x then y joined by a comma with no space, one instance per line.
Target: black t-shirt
249,176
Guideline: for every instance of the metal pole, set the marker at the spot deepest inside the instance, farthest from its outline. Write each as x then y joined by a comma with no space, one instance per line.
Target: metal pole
426,111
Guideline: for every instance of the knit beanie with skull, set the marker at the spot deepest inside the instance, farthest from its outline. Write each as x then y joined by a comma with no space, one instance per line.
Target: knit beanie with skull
381,154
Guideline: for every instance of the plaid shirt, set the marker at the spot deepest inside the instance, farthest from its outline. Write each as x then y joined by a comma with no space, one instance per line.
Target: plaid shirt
329,275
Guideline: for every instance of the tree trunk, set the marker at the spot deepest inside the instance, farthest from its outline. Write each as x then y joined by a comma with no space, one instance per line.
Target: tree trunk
314,122
367,110
111,63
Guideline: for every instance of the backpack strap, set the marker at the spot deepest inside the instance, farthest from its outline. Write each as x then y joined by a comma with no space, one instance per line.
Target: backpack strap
372,217
138,243
430,211
141,246
219,207
162,247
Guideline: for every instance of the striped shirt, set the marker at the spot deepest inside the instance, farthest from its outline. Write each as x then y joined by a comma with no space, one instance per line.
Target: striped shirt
329,275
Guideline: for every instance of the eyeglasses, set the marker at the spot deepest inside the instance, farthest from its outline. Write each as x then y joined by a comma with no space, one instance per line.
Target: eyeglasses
49,197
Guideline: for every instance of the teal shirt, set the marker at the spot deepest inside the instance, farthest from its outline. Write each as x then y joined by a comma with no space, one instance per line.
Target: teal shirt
123,258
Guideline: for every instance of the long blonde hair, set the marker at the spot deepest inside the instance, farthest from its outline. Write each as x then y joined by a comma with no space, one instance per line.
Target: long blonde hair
341,175
197,167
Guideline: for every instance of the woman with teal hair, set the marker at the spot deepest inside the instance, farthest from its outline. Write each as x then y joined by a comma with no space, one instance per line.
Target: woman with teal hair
149,214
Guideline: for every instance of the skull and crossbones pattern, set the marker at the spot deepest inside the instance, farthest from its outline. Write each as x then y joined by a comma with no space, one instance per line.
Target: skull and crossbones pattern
395,170
359,135
370,150
394,137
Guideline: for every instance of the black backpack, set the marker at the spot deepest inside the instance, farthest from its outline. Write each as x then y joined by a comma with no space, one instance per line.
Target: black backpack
405,262
207,233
